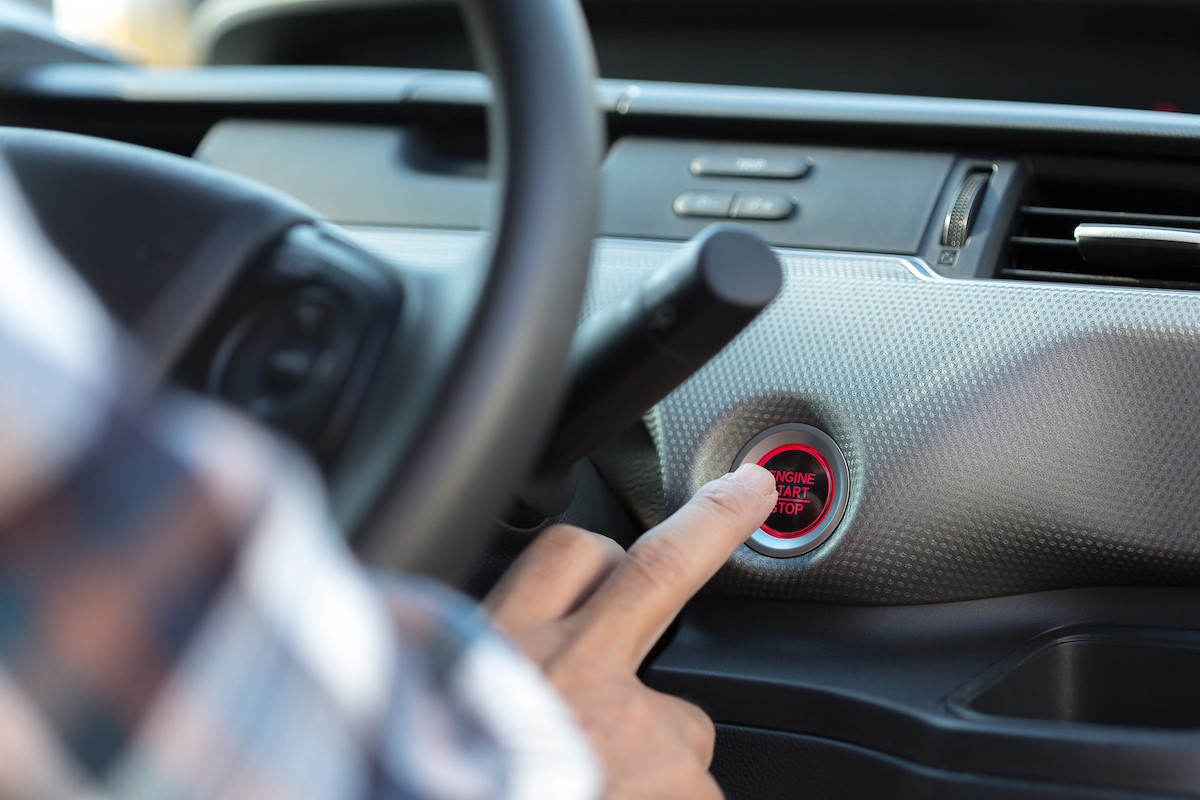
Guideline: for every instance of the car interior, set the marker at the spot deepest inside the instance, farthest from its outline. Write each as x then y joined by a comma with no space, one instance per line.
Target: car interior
500,263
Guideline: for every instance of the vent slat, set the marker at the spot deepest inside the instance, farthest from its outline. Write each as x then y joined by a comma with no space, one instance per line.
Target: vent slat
1009,273
1122,217
1012,273
1042,246
1039,241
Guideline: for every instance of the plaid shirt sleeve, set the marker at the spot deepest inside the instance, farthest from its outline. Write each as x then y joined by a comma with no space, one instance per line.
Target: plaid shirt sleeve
179,619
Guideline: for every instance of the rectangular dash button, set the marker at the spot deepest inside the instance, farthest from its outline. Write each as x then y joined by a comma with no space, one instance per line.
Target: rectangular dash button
732,165
763,206
704,204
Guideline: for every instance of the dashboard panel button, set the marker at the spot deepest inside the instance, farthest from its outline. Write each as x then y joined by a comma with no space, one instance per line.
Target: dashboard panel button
763,206
805,484
813,479
704,204
736,165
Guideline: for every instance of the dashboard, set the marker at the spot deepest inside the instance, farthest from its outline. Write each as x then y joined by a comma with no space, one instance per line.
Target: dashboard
952,388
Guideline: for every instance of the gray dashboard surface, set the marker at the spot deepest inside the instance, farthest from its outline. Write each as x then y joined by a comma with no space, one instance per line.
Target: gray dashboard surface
1002,437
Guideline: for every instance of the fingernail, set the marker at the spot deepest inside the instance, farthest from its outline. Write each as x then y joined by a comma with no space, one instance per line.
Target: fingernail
756,478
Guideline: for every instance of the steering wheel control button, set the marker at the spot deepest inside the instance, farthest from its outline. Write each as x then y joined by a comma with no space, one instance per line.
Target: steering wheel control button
813,480
312,318
735,165
289,369
293,267
286,361
763,206
804,482
704,204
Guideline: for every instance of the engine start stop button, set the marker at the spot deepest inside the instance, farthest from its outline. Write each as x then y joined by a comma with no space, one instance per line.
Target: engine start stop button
813,482
803,480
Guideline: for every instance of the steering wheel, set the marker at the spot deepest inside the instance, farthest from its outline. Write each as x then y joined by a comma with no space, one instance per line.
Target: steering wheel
427,396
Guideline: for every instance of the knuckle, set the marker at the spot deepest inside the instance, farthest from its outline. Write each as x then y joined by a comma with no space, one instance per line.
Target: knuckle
579,540
576,544
604,549
609,712
661,563
727,500
563,536
570,667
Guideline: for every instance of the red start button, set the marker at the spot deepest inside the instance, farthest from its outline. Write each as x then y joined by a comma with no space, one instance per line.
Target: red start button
805,485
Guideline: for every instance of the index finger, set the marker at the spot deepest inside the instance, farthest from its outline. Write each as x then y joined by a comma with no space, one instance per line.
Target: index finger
666,567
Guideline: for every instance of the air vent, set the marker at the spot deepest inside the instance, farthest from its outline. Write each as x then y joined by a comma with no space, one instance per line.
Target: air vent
1133,234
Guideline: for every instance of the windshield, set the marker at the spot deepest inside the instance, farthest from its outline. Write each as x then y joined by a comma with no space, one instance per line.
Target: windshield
1117,54
152,32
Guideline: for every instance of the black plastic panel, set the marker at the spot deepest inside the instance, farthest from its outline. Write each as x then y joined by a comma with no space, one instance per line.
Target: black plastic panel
1112,677
851,199
754,764
357,174
883,679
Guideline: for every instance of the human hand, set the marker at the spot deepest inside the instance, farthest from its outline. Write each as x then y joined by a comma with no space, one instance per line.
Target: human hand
587,612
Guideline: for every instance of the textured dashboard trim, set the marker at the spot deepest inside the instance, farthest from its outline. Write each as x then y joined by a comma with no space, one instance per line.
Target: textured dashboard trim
1002,437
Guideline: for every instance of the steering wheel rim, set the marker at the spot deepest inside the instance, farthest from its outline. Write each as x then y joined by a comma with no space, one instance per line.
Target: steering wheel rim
499,399
479,428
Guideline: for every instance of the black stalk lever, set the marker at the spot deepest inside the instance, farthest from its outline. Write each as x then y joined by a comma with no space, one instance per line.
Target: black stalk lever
632,353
